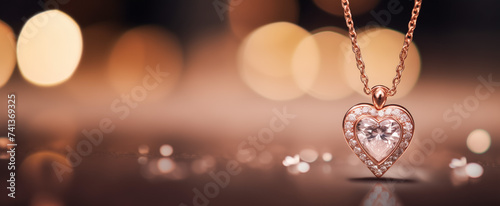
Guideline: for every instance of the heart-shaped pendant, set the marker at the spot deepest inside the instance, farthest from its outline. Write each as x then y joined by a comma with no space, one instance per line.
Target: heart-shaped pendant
378,134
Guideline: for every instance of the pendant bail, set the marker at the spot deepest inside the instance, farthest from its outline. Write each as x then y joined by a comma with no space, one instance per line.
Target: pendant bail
379,96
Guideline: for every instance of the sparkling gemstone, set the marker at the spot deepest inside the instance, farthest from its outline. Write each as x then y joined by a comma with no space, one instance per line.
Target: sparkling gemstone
404,144
388,111
388,163
407,135
383,168
365,109
357,111
374,167
349,134
369,163
396,112
348,125
357,150
378,139
408,127
362,157
404,118
398,152
373,112
353,142
351,117
381,113
378,172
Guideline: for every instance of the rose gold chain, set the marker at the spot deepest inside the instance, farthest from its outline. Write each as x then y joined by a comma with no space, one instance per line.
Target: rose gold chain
402,56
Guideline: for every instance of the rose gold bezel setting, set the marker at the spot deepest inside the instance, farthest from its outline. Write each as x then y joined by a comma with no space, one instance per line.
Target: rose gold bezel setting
394,112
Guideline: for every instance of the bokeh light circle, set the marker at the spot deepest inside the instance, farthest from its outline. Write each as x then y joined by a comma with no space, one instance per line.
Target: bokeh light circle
474,170
318,66
166,165
357,6
4,147
143,149
166,150
479,141
265,59
46,170
140,52
380,49
308,155
243,18
303,167
7,53
49,48
327,157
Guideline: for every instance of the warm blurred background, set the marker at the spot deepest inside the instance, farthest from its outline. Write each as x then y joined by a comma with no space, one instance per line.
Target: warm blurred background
182,90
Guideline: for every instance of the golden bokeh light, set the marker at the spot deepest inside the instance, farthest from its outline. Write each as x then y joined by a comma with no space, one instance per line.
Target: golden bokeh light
479,141
4,147
335,7
49,48
7,52
380,49
143,149
243,19
265,60
46,170
140,50
318,66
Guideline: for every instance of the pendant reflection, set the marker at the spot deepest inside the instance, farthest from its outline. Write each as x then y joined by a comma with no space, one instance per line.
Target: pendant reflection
380,195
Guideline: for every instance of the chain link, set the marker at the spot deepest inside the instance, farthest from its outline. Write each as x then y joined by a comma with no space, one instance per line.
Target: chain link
402,56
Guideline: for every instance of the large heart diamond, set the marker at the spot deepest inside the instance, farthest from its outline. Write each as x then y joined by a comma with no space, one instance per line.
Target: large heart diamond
378,136
378,139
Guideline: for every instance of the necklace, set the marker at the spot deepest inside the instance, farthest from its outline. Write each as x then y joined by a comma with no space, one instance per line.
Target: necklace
377,133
